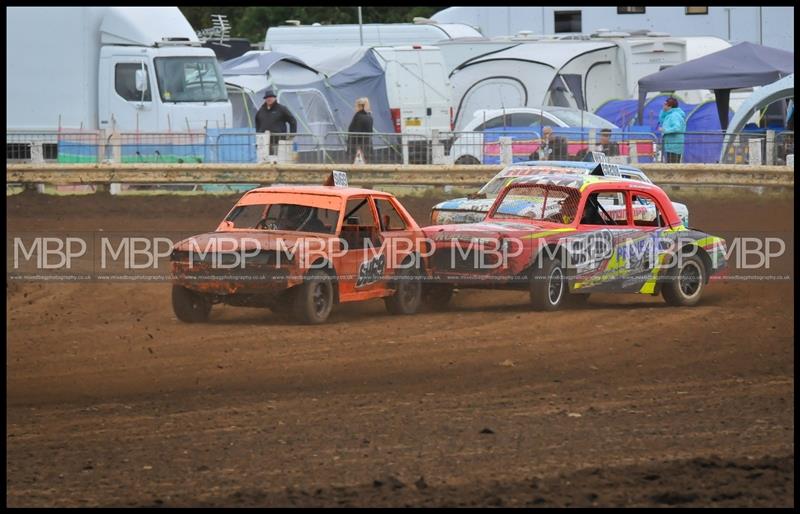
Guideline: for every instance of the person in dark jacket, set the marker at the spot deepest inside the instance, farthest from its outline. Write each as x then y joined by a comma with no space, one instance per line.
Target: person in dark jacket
361,123
551,148
274,117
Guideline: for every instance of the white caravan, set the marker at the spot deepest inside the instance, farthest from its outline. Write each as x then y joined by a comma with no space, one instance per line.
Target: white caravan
372,34
123,69
582,72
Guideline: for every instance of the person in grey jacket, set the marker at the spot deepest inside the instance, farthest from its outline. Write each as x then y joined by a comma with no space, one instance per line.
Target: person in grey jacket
274,117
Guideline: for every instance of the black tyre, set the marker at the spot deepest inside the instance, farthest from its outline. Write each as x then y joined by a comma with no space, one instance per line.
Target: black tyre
408,292
467,159
190,307
548,286
313,299
685,288
436,297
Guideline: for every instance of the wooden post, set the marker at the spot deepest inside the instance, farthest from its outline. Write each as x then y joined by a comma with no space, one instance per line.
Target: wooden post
506,152
262,147
755,151
770,150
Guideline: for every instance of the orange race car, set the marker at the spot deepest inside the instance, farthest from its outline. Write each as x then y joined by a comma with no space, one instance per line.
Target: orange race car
299,250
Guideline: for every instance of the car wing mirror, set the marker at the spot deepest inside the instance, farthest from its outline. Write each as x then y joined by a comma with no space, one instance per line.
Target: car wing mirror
476,196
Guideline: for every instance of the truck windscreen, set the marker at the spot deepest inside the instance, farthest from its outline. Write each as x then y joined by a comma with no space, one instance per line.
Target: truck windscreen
190,79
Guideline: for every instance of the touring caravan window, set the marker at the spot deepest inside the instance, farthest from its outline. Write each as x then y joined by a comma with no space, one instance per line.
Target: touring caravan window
125,82
630,10
567,21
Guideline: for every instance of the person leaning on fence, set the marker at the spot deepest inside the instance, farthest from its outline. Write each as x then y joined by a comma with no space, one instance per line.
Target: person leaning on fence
673,125
361,124
605,145
274,117
552,148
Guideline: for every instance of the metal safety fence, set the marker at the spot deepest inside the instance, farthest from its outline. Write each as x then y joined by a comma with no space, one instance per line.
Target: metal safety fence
440,147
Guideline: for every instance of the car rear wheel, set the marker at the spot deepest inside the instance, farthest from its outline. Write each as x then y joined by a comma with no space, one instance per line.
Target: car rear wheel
408,292
548,286
436,297
190,307
467,159
313,299
685,289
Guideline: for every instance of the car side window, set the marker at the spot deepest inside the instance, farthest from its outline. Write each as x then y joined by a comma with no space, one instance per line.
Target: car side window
359,212
359,228
389,217
525,119
498,121
605,208
646,212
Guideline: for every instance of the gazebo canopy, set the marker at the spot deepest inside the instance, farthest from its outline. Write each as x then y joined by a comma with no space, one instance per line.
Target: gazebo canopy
742,65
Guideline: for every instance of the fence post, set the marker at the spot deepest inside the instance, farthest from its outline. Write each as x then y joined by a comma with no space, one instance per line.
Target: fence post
404,147
37,153
755,151
262,147
284,151
770,150
506,154
592,138
790,160
100,142
437,151
633,152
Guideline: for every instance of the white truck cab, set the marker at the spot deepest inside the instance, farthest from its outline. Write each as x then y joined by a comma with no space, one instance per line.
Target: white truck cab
123,69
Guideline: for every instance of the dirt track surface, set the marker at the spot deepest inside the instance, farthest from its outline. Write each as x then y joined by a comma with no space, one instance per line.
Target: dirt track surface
112,401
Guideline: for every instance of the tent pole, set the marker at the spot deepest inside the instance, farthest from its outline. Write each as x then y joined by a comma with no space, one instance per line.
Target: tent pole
360,27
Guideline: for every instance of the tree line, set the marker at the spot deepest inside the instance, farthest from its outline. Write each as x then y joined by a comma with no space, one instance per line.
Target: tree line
252,22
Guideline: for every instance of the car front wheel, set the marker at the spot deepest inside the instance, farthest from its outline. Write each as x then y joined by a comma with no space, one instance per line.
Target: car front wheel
408,292
190,307
548,286
685,289
313,299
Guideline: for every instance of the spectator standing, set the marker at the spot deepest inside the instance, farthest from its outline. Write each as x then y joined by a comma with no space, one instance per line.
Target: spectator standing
605,145
360,124
673,126
274,117
552,148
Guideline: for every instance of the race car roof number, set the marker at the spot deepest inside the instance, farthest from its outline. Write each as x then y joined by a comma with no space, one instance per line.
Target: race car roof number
610,170
337,178
599,157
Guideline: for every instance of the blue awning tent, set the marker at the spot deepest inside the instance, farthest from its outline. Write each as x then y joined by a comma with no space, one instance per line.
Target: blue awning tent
703,140
322,101
621,113
740,66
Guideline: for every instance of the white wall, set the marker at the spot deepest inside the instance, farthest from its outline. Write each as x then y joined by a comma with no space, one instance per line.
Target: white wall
777,22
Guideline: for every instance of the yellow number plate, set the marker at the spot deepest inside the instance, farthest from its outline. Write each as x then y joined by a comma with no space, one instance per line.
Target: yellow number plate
413,122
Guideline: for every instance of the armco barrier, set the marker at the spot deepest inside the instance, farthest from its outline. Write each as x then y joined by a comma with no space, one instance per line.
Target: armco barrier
663,174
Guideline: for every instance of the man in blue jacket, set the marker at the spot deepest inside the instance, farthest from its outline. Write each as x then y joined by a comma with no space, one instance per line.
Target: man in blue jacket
673,125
